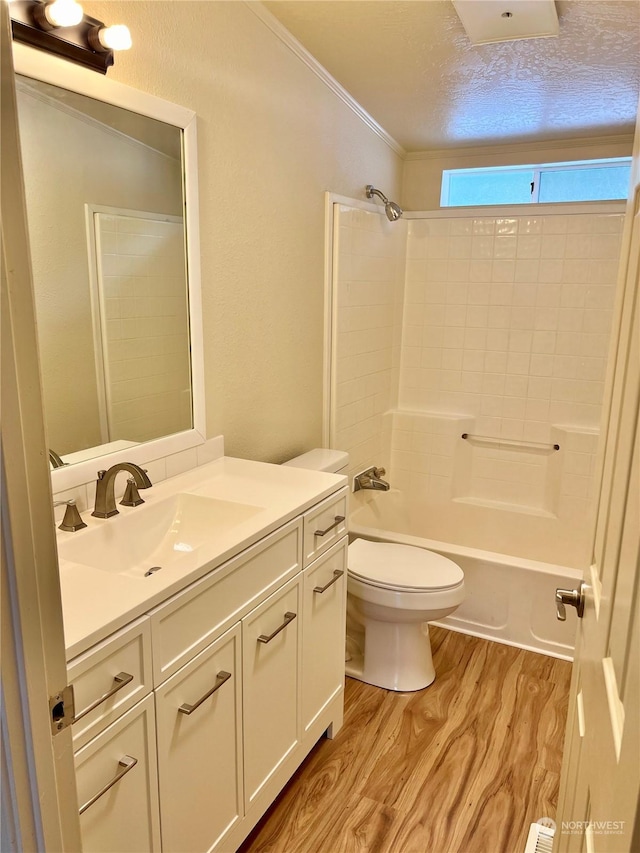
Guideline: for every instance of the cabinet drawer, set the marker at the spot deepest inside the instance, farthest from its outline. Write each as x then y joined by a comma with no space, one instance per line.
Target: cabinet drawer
322,527
200,748
270,672
120,765
191,620
119,669
323,633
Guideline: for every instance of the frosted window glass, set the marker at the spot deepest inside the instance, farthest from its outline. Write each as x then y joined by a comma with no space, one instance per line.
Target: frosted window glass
490,187
585,184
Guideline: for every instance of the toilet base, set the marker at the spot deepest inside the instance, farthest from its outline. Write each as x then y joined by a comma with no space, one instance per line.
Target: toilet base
397,656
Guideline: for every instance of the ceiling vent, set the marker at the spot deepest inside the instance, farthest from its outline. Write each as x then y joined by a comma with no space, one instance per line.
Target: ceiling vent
488,21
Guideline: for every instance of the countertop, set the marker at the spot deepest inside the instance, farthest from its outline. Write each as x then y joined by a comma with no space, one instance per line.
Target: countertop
96,603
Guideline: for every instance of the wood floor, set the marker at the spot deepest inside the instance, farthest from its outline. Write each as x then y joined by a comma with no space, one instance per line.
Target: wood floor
461,767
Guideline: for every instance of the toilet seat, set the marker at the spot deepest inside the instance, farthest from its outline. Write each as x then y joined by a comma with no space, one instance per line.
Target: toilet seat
402,568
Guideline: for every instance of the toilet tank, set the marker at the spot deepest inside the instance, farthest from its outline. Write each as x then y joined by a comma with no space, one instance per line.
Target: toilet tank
322,459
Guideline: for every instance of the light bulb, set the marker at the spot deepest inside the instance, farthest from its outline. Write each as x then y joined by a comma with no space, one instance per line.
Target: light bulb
63,13
116,37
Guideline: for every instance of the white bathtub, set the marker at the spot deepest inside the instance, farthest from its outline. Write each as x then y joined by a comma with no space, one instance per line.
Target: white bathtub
508,599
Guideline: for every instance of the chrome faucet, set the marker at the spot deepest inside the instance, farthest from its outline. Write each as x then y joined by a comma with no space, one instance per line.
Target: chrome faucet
55,460
105,488
371,479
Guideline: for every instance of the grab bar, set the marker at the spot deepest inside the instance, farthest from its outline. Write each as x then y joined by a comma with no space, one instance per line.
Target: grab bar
510,442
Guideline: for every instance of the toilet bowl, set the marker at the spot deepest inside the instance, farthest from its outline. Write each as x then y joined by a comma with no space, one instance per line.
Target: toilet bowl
393,591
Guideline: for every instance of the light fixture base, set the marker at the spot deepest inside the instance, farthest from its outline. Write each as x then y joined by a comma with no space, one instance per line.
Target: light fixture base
70,43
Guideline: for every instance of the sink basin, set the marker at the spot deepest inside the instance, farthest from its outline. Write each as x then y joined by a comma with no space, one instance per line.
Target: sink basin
155,537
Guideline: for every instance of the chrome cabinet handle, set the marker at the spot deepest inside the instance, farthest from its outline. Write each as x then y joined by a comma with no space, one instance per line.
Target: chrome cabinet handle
338,520
337,574
121,679
221,677
573,597
126,763
288,617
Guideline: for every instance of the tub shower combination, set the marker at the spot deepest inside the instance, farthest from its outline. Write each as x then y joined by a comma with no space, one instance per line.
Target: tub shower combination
468,359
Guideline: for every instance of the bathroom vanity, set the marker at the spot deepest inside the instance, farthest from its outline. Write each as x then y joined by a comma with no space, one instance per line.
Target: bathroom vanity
201,686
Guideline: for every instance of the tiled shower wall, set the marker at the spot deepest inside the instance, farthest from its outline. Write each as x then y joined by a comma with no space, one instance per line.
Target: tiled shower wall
504,337
369,254
507,320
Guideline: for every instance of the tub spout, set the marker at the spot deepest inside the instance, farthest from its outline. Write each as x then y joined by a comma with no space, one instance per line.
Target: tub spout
371,479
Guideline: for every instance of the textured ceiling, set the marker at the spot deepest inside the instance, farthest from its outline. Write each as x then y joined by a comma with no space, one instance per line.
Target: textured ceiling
411,66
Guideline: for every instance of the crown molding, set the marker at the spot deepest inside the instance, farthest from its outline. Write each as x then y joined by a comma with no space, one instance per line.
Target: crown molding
321,72
521,147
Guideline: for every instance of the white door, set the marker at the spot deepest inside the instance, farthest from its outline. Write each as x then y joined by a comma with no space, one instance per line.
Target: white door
598,808
39,808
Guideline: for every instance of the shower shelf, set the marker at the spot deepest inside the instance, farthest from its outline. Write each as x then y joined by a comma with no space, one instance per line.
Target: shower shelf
510,442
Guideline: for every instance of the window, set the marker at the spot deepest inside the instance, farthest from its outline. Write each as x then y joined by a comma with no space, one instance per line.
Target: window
586,180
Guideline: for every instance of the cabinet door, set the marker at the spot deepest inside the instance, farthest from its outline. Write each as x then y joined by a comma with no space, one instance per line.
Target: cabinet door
323,633
270,656
199,748
117,783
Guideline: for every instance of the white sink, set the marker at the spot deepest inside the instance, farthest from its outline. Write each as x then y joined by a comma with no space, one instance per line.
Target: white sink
155,537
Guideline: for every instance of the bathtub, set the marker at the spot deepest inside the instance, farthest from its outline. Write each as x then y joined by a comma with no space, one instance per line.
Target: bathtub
508,599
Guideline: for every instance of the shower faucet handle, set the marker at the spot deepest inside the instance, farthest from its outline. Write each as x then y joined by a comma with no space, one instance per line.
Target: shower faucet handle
379,472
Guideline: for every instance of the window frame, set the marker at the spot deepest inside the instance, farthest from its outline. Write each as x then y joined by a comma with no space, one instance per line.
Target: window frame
538,169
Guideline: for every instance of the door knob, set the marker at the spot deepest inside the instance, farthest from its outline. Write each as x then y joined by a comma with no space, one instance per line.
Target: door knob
574,597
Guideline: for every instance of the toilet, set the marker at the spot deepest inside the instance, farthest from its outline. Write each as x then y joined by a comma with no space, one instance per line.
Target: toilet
393,591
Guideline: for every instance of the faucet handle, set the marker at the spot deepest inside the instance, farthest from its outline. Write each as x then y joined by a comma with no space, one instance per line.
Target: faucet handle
379,472
131,495
72,520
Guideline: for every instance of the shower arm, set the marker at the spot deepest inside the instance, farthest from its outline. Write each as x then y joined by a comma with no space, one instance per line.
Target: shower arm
371,191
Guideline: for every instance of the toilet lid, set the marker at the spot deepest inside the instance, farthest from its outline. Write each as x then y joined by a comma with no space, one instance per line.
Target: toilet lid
401,567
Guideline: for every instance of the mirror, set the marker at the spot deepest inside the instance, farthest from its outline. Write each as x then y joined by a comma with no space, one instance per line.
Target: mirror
117,316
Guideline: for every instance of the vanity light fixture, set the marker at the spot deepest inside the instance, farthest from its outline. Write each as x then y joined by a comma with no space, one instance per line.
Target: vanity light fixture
61,13
61,27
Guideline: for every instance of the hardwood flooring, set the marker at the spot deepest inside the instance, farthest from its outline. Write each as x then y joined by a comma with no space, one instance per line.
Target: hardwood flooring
461,767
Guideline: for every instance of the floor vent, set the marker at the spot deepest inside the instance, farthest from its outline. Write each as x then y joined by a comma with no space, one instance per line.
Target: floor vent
540,839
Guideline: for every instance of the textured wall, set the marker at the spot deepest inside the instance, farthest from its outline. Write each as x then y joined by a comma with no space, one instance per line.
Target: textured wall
272,139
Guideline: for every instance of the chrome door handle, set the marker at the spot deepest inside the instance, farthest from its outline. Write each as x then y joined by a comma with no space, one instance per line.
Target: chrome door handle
221,677
337,574
126,763
574,597
338,520
121,680
266,638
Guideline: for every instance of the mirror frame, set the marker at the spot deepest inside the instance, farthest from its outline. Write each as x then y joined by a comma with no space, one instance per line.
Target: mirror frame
49,69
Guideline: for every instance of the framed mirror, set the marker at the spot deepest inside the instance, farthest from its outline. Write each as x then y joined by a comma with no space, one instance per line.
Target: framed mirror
111,187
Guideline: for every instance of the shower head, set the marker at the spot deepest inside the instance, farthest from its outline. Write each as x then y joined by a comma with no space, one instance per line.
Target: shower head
392,210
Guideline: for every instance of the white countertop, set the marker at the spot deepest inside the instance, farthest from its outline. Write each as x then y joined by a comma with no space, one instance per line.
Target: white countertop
96,603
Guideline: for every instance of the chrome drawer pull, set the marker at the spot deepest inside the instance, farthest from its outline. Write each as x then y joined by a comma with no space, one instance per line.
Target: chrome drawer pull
288,617
121,680
337,574
221,677
339,520
126,763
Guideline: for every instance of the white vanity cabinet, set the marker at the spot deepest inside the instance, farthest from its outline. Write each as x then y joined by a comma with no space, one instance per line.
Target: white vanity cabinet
199,724
246,669
117,781
323,633
271,641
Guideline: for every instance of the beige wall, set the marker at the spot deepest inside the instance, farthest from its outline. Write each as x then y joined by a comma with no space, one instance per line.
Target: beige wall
272,138
423,170
73,163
